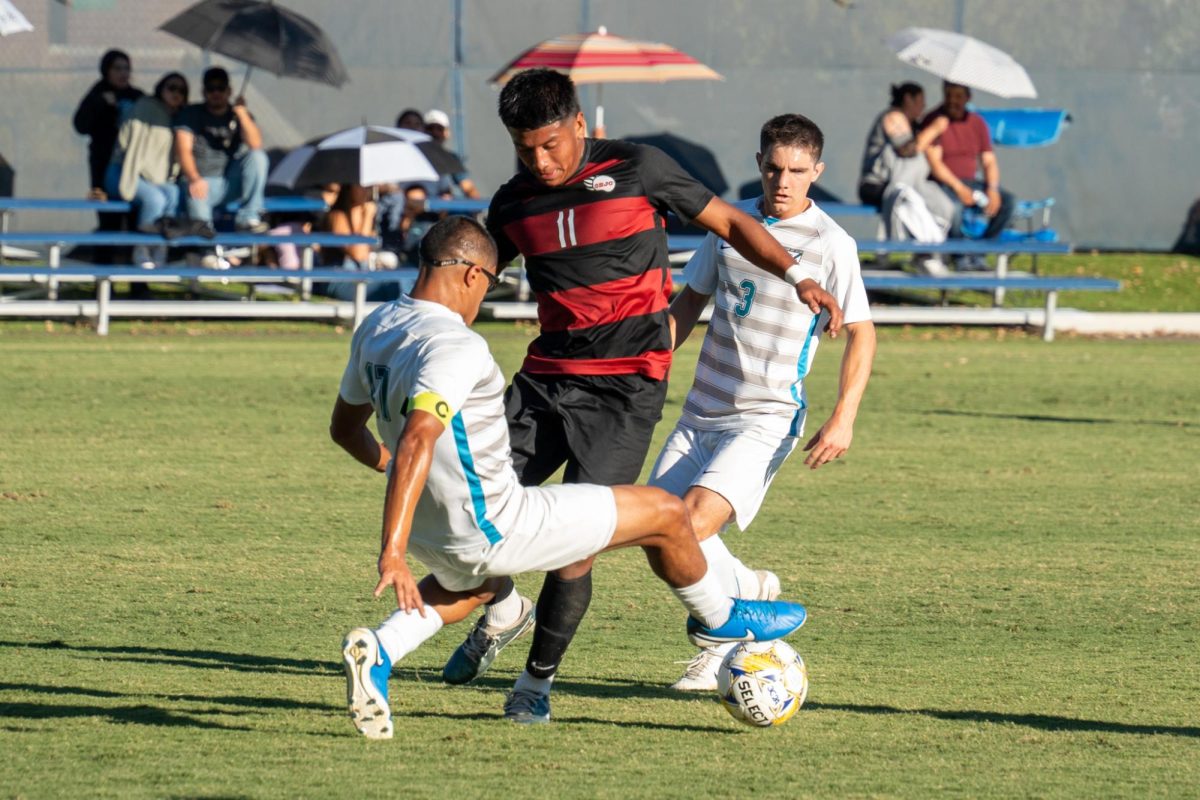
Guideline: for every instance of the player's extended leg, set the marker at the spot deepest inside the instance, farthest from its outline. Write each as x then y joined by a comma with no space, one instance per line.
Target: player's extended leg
368,655
689,457
506,618
657,522
539,448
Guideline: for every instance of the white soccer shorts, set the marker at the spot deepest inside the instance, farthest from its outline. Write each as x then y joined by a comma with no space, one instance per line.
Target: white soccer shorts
557,525
739,465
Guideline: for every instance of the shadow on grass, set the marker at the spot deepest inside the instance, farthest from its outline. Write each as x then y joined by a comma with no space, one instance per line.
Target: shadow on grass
200,659
616,688
1043,722
135,715
949,412
220,700
495,716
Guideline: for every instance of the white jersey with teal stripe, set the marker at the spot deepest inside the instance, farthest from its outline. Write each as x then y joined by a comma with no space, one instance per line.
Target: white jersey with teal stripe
761,339
414,353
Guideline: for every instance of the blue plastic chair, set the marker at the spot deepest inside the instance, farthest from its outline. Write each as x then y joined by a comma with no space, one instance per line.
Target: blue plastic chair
1021,128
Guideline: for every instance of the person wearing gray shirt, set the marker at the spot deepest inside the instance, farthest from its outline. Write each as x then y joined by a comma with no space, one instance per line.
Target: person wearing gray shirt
219,148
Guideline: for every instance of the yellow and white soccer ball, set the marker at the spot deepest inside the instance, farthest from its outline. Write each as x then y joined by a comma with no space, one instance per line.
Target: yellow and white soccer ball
762,683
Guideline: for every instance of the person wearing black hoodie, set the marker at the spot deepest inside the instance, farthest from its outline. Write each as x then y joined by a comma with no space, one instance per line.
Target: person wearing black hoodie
100,112
99,116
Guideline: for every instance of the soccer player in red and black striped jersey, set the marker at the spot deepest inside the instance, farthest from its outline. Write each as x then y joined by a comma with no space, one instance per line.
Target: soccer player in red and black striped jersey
588,216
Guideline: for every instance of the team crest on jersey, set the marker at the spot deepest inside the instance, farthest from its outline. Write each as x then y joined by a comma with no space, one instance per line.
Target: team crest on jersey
600,183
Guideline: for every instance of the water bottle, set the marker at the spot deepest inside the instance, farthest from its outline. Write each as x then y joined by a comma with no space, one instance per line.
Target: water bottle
980,198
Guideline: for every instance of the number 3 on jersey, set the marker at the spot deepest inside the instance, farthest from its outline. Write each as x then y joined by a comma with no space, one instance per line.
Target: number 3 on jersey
377,379
748,289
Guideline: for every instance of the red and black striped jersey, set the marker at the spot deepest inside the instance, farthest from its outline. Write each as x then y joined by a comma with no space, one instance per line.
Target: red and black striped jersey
596,257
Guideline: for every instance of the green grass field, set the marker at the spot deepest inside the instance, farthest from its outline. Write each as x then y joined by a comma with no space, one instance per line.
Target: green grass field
1002,576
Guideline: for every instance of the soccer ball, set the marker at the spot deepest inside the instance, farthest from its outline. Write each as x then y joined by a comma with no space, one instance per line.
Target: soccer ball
762,683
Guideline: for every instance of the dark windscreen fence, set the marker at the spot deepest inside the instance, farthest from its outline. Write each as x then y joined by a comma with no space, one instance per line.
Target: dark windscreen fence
1124,174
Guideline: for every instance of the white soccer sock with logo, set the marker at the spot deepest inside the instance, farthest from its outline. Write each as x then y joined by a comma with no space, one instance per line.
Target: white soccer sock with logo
504,613
528,683
404,631
737,580
706,600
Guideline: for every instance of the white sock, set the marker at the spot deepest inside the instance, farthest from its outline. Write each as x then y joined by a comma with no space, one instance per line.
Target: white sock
504,613
528,683
706,601
737,580
403,632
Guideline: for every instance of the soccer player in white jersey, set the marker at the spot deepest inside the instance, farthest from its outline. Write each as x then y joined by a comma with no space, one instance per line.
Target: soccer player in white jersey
454,501
747,406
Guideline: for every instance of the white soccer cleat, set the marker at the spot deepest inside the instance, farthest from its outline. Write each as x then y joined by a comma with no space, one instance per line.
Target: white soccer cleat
367,668
700,674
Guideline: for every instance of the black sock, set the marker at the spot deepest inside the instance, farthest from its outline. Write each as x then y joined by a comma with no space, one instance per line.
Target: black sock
560,609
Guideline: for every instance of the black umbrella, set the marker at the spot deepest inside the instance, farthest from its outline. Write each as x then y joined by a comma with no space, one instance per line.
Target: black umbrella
261,34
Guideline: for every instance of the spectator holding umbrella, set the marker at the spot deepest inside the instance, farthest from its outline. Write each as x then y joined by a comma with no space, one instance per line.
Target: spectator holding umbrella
220,153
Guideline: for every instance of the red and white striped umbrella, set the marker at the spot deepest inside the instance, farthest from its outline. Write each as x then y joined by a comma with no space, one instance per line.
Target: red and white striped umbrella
600,57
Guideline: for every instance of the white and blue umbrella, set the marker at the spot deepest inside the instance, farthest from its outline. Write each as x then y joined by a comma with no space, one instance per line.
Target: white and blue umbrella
367,155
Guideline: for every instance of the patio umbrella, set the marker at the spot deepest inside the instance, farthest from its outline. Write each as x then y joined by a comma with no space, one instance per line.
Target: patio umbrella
603,58
958,58
261,34
367,155
11,20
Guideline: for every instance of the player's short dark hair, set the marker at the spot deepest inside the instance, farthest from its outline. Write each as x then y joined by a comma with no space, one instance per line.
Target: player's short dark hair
457,237
791,130
536,98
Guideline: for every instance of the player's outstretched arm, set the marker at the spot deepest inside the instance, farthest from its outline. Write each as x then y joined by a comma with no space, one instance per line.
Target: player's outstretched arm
410,470
685,312
348,428
833,439
760,248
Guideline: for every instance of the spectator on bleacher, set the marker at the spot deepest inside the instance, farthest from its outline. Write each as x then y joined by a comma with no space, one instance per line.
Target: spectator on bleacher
98,117
895,176
894,153
402,222
437,125
219,148
143,168
353,213
100,114
411,119
962,150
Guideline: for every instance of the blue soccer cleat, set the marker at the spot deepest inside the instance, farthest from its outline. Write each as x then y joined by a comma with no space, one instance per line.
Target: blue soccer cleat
750,621
367,672
527,708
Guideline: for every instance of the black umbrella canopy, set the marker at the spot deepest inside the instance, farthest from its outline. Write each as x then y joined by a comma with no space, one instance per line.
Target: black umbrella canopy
262,35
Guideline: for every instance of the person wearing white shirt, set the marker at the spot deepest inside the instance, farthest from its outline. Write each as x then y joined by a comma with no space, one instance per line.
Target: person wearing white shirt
453,499
747,405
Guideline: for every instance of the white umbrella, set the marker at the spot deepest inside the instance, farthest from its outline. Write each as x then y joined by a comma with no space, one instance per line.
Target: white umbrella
958,58
367,155
11,20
